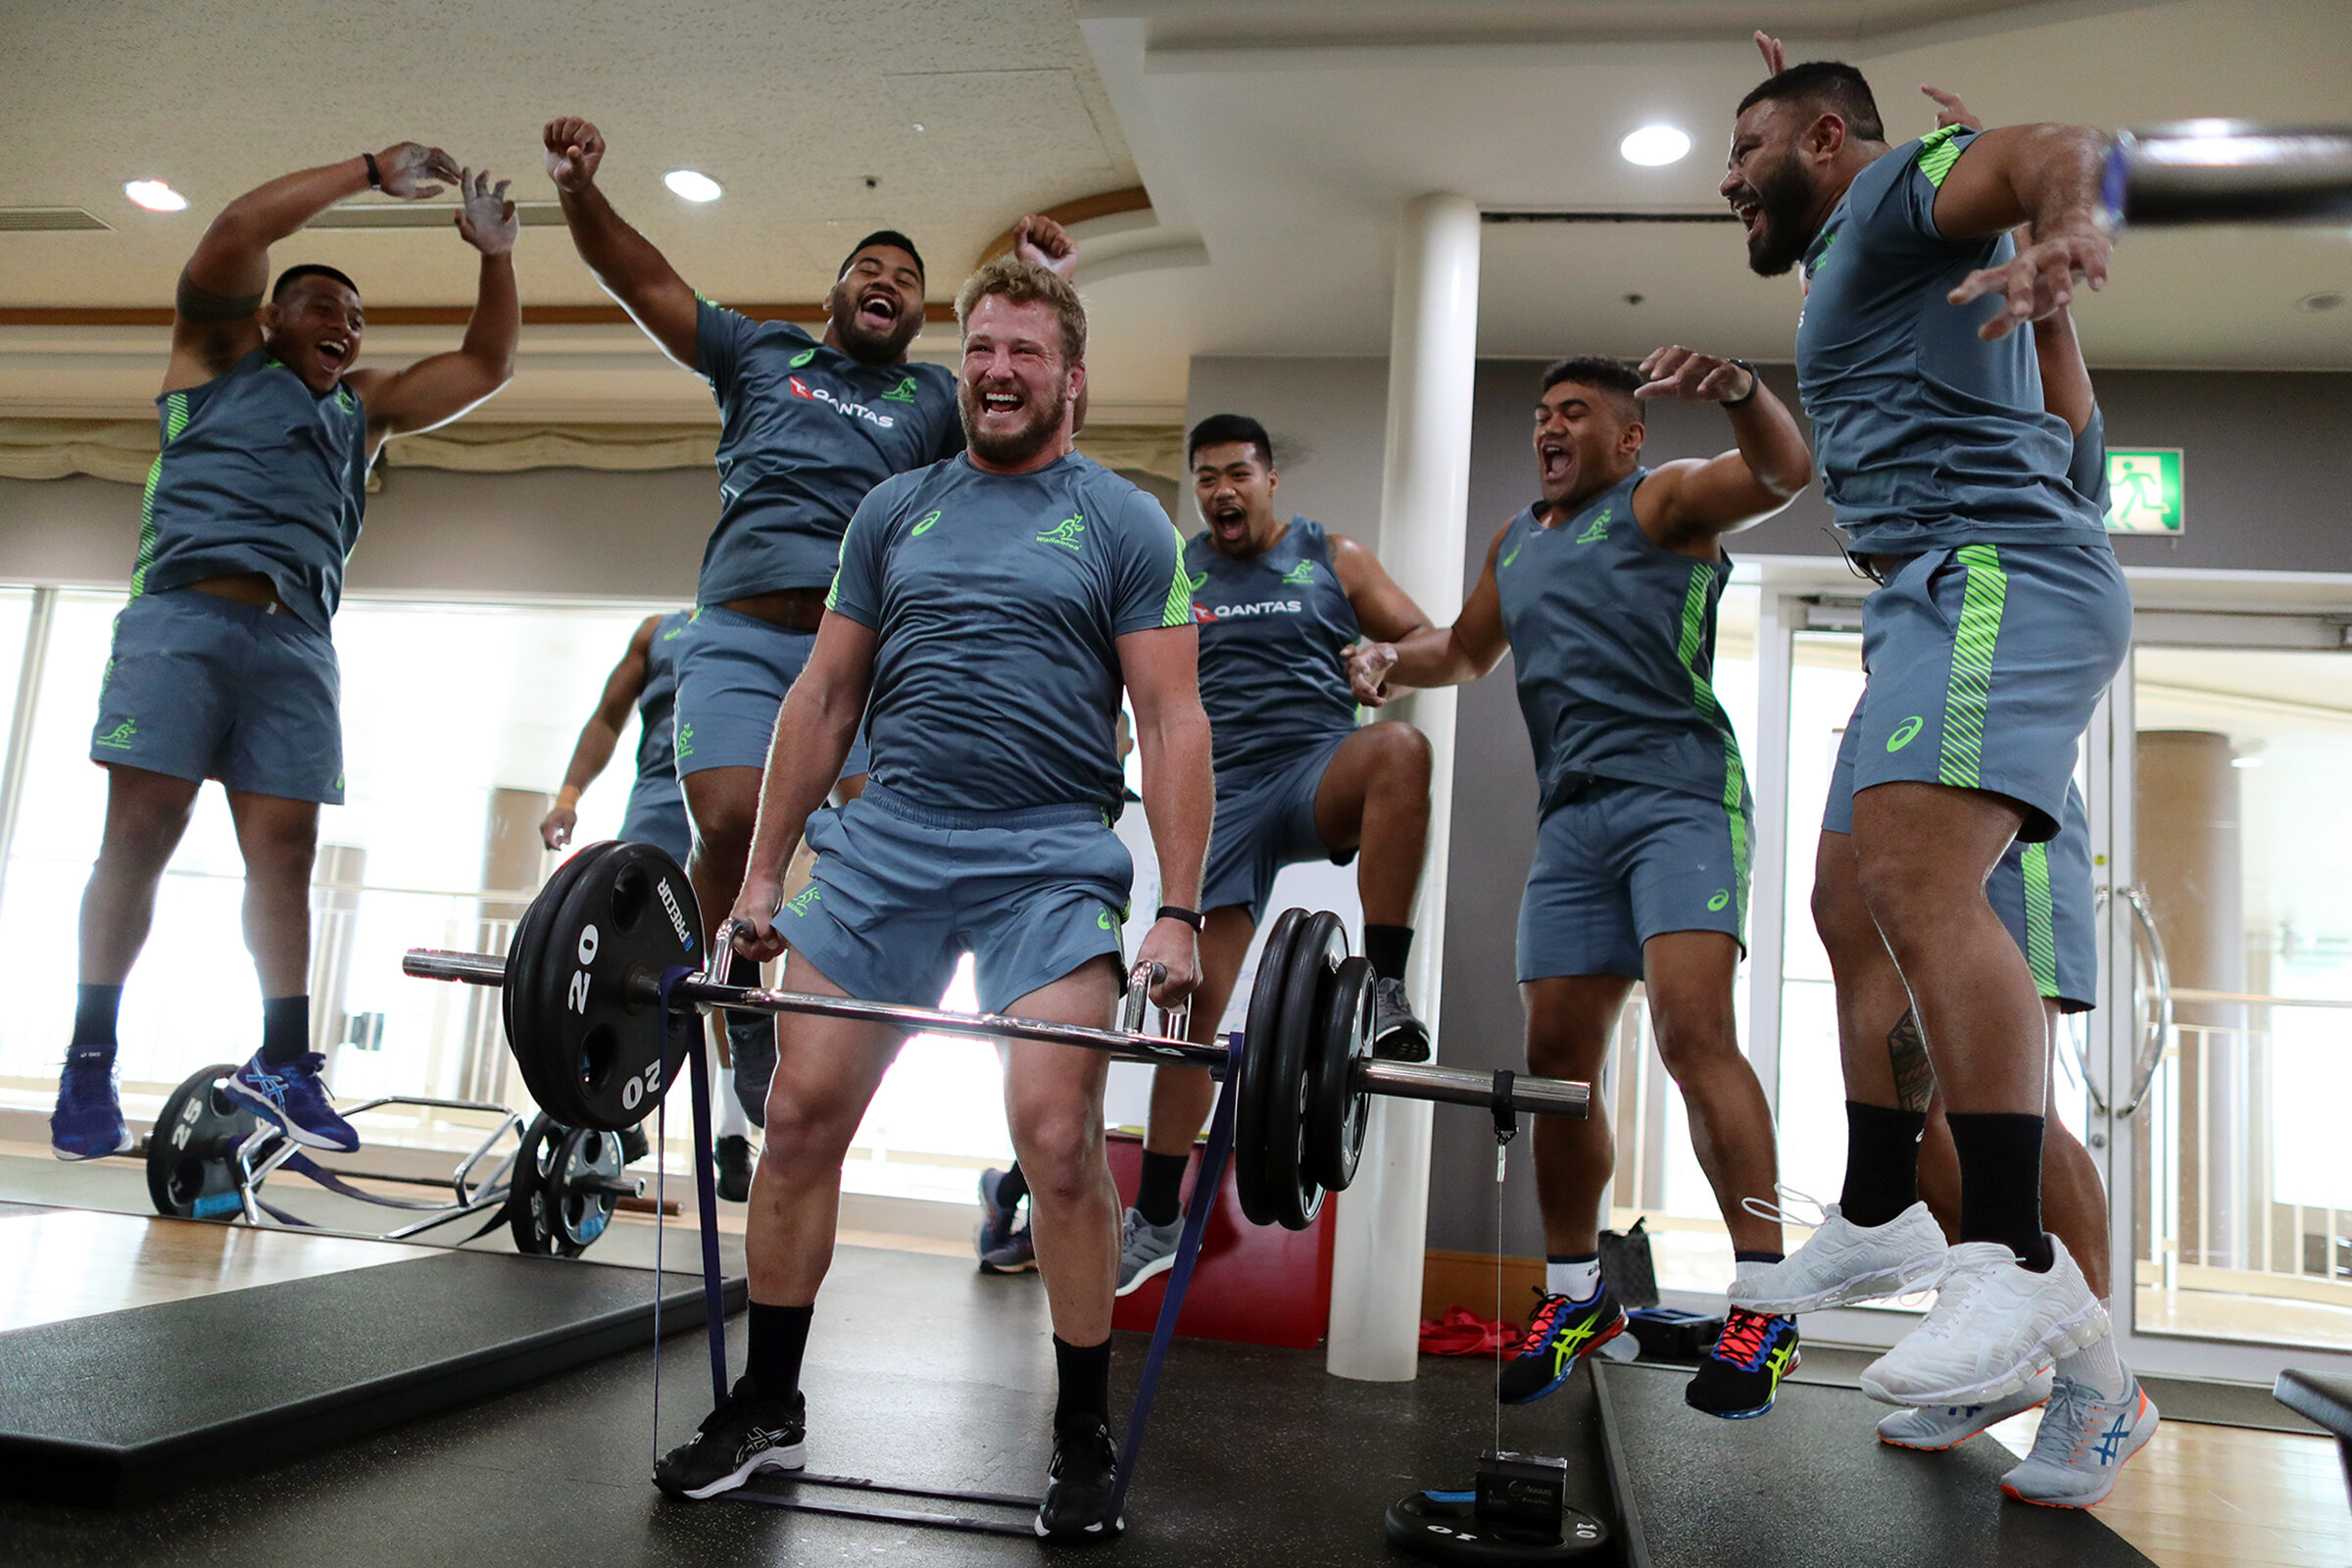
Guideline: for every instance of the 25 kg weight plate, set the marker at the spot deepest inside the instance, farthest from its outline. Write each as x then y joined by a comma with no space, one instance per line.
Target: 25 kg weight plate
1315,956
1335,1108
192,1154
1260,1030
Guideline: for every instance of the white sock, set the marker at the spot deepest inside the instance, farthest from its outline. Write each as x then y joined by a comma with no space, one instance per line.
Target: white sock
1576,1281
732,1122
2098,1369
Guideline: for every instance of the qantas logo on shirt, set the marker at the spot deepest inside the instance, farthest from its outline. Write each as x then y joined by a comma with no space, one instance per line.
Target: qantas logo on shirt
848,411
1205,614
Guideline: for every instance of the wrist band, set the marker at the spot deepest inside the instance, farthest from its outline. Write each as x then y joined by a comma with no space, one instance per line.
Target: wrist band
1191,917
375,177
1753,381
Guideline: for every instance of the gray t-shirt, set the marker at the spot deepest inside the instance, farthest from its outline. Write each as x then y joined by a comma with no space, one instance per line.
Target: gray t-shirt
805,432
997,602
256,473
1613,641
1275,631
2088,472
1927,436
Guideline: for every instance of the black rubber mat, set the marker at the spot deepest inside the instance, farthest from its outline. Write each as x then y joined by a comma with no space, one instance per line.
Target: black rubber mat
121,1405
1809,1485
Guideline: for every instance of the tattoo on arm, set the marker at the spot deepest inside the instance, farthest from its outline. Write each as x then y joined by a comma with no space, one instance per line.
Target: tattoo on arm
200,305
1914,1076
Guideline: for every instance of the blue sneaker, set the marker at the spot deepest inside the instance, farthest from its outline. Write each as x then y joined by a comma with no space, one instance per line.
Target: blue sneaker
87,1124
995,1219
295,1099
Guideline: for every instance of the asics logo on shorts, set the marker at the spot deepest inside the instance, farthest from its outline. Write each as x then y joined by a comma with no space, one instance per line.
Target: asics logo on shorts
923,526
1065,532
1906,733
1104,921
1723,897
119,737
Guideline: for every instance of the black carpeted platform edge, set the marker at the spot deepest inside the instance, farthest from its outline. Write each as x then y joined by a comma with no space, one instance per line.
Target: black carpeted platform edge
123,1405
1809,1484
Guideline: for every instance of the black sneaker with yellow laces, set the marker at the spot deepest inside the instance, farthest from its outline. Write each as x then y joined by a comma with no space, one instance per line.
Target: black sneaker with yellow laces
1741,1375
1560,1333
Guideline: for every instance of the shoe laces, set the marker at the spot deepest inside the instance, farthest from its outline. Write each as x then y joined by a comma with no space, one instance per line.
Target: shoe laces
1549,1310
2066,1421
1960,1285
1781,1213
1747,1337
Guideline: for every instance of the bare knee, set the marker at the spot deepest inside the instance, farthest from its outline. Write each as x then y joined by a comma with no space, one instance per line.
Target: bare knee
1696,1037
1060,1149
805,1132
1401,756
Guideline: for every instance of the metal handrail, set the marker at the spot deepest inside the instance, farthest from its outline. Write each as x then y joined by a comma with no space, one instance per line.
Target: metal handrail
2184,994
2160,1023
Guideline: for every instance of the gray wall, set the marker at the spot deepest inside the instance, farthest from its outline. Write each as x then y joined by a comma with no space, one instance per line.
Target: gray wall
2268,476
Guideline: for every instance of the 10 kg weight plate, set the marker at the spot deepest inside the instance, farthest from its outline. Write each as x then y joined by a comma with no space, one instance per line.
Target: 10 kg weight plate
558,1203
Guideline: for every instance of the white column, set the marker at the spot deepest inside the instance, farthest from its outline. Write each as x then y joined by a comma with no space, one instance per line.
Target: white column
1424,516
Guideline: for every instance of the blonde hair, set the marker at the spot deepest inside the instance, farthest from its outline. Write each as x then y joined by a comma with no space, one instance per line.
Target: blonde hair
1022,283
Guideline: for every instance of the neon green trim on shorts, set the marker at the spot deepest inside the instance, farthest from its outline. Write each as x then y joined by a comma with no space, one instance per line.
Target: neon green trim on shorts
1702,695
2042,947
1970,685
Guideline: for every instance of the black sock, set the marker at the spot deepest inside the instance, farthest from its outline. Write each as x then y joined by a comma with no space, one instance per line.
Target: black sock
285,1029
1758,1256
94,1011
1386,945
1082,1383
1156,1195
1013,1189
2000,1183
1882,1163
778,1335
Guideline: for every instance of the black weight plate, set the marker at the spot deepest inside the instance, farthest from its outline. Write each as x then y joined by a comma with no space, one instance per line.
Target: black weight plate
1315,956
524,952
1336,1109
192,1154
1444,1527
1259,1030
527,1209
600,1050
548,1211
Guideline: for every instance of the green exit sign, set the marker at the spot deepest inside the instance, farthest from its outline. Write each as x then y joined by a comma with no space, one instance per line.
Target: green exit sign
2144,490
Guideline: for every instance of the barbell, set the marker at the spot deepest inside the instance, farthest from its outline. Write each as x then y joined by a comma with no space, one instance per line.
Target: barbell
604,983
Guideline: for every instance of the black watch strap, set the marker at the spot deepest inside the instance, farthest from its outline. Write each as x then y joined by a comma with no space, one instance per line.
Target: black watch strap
376,175
1753,381
1191,917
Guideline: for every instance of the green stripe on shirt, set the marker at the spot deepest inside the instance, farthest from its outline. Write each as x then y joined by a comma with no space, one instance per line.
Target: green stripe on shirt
1937,154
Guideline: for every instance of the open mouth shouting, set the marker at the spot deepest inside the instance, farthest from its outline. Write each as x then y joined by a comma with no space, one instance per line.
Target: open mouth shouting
1557,460
1749,208
1229,519
334,354
879,310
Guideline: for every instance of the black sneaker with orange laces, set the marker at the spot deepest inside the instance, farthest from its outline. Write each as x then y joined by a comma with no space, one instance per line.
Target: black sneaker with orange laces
1741,1375
1558,1337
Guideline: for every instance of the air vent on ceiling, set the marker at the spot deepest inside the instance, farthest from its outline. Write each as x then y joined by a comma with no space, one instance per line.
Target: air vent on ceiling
46,220
426,214
1723,216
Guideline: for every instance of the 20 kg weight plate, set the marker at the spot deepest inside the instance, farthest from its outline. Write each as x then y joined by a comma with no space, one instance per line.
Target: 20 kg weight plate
1316,953
192,1154
583,1015
1337,1109
1260,1030
560,1203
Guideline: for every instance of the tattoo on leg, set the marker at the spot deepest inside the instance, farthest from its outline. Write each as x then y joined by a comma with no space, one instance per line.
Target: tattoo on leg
1914,1076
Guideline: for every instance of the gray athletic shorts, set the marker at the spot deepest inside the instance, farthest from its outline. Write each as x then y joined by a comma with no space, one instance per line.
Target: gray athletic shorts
2041,892
733,671
656,815
1622,862
1984,666
1266,821
202,687
902,890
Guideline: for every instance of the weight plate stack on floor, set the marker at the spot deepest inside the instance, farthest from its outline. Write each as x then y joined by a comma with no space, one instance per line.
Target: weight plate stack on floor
1337,1112
1315,956
1444,1527
192,1154
583,1008
1259,1030
560,1203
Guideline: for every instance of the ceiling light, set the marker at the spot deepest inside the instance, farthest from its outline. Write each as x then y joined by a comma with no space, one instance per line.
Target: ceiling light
2245,762
693,186
2316,303
154,195
1653,145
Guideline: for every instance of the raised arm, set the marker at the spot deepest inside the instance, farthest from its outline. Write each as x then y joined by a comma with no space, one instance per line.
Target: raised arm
1163,671
1386,613
438,388
599,736
214,319
1697,498
2045,178
1438,656
623,260
813,734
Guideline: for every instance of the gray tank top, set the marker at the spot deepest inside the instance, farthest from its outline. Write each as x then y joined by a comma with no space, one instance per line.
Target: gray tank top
256,474
658,703
1613,638
1274,636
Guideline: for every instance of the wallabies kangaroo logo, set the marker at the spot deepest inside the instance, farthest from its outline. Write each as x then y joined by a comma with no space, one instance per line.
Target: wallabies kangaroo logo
1065,532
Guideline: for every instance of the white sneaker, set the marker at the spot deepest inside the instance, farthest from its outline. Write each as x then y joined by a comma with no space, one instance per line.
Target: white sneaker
1994,1326
2081,1445
1947,1426
1842,1262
